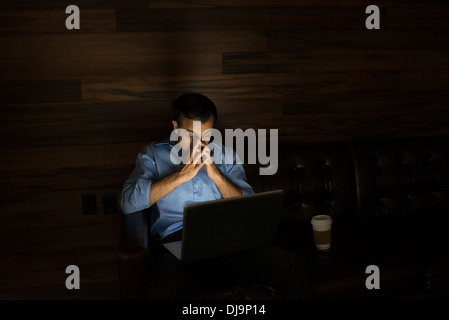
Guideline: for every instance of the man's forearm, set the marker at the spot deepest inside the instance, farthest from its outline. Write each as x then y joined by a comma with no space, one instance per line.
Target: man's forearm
164,186
226,187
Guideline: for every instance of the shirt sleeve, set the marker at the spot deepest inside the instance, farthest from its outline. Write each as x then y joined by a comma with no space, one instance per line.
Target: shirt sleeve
236,174
135,194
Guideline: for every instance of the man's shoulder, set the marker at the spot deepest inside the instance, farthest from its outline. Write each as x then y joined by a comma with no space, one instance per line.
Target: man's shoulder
161,144
155,146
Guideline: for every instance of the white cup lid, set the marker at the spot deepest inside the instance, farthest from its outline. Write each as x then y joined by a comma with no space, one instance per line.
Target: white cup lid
321,219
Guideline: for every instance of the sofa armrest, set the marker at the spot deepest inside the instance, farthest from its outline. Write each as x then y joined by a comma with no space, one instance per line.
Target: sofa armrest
133,255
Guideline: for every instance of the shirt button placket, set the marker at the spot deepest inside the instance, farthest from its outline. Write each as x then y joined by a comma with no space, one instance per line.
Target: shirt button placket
195,188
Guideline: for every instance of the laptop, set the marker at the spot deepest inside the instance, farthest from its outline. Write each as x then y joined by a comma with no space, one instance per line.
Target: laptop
226,226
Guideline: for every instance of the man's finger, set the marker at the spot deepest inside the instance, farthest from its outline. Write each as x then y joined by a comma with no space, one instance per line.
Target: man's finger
206,155
196,151
197,157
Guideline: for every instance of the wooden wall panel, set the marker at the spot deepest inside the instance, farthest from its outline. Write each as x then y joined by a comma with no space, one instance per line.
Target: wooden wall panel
409,80
422,18
76,106
383,39
88,4
246,86
112,154
40,91
229,18
111,66
128,44
333,60
289,3
53,21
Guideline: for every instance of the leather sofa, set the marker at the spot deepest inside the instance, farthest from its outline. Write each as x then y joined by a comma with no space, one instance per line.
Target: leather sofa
389,201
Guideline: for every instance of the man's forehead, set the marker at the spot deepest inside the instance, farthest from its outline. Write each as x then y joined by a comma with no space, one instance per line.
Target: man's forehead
209,130
196,124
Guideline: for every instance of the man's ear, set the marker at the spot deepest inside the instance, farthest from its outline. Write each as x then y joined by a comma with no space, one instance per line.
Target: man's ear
175,124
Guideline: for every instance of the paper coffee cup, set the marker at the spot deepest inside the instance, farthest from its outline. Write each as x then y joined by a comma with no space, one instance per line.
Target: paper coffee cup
322,231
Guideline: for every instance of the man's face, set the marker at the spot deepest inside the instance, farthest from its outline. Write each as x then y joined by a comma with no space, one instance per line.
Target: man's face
187,124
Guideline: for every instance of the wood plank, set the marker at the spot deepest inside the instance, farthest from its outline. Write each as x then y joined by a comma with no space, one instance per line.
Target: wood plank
257,19
129,43
38,198
358,135
53,21
87,112
70,236
82,4
334,60
233,112
235,3
12,92
45,158
287,3
214,86
427,17
111,4
361,102
52,191
65,134
382,39
415,80
110,66
249,114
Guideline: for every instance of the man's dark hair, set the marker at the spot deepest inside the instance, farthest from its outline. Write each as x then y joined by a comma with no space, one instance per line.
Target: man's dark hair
194,106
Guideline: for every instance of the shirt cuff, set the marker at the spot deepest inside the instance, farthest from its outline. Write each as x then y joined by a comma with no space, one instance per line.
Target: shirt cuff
246,191
143,191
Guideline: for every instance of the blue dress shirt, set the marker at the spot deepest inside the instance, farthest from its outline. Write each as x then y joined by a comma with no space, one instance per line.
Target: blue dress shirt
153,163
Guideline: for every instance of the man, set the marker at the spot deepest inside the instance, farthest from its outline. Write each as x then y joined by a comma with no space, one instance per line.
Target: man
167,186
